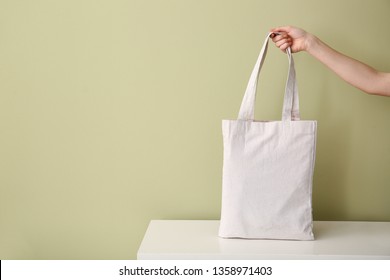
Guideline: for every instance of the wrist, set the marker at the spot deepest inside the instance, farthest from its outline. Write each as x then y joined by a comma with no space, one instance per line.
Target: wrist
311,43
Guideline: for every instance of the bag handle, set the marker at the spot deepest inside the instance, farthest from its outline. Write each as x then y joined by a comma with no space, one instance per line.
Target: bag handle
291,99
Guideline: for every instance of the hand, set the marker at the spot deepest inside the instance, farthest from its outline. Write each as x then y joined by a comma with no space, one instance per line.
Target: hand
295,38
358,74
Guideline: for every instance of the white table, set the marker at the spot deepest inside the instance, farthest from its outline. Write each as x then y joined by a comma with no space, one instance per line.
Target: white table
198,239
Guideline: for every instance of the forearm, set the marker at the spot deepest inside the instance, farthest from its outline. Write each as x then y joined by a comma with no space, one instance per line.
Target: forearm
352,71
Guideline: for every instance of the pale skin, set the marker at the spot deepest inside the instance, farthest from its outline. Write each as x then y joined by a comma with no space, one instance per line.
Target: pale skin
351,70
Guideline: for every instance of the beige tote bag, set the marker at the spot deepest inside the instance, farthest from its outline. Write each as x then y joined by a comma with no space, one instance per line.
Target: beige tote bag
268,168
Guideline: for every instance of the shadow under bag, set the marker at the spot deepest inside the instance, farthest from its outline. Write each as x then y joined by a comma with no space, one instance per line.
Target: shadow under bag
268,168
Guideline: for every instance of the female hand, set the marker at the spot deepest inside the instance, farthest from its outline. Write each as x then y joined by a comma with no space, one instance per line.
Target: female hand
358,74
288,36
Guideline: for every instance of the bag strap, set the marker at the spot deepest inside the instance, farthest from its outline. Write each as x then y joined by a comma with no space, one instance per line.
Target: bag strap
291,99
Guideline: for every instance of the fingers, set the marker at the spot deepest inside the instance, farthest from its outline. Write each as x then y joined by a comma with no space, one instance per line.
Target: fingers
281,40
281,29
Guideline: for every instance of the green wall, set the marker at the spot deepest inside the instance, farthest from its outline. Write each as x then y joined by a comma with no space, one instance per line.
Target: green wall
110,115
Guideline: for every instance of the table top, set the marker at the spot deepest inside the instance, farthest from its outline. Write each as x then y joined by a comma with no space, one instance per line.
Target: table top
198,239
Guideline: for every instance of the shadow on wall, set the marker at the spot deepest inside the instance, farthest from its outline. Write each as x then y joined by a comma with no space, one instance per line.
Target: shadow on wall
330,180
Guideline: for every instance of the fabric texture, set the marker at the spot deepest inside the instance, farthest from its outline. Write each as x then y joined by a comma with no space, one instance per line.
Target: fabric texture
268,168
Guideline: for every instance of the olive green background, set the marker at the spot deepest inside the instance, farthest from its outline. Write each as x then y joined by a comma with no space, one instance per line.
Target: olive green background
110,114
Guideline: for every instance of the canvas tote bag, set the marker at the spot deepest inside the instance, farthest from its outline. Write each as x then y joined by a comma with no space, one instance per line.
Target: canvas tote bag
268,168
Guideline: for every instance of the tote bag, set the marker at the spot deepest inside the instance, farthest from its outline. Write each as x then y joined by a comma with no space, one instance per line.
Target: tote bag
268,168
